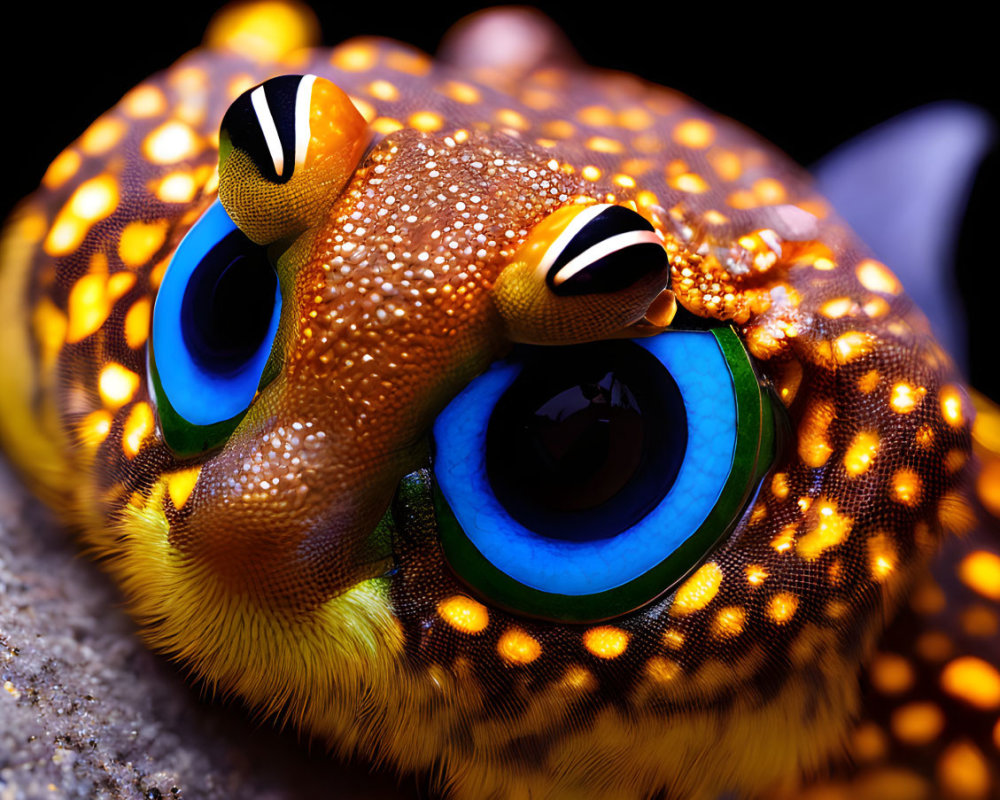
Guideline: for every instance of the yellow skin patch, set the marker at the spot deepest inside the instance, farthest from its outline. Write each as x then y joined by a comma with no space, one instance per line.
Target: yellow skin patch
402,288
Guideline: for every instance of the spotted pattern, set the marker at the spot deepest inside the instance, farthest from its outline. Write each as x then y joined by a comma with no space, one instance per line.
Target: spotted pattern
757,648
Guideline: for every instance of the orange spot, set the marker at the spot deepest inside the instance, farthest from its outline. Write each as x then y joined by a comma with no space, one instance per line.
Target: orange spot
951,406
996,735
779,485
928,598
264,30
882,556
386,125
814,447
62,169
355,57
48,324
596,115
117,385
977,620
694,133
606,641
409,62
861,452
725,163
785,539
177,187
88,307
869,381
955,514
756,575
973,680
697,591
137,323
95,427
383,90
891,674
92,201
876,277
464,614
180,484
934,646
138,426
461,92
827,528
662,670
875,308
852,345
868,743
689,182
602,144
591,173
517,647
144,102
558,129
906,487
426,121
980,571
917,724
769,191
837,308
905,397
729,622
673,639
782,607
171,142
102,136
140,241
924,436
578,678
964,772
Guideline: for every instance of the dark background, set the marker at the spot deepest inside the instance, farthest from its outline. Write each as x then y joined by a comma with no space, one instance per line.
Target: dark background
807,78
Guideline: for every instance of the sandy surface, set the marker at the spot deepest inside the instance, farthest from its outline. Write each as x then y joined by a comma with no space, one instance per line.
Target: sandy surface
87,712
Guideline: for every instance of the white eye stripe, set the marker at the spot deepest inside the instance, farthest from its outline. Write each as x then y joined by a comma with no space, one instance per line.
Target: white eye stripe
303,104
268,128
603,249
575,226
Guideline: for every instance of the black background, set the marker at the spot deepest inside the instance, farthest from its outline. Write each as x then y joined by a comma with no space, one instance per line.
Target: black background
806,77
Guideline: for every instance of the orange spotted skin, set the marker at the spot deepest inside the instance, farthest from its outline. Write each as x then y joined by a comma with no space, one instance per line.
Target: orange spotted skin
751,664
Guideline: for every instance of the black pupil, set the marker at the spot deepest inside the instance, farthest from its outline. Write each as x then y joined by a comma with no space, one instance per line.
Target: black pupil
587,440
228,304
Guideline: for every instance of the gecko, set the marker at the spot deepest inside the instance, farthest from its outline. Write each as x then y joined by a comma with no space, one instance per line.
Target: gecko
290,482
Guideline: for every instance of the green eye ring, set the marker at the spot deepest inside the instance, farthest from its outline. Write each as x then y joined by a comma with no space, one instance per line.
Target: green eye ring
751,456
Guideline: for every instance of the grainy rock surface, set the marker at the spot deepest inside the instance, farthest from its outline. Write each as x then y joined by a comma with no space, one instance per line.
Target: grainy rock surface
87,712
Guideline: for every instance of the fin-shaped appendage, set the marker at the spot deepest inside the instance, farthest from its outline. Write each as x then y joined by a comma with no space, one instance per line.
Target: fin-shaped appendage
903,186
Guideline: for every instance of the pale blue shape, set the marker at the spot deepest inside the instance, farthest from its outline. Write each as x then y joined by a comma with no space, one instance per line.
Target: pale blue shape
200,397
697,364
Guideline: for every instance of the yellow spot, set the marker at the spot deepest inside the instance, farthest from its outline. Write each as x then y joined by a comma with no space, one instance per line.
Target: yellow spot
92,201
88,307
137,323
725,163
882,556
814,447
596,115
980,571
635,119
951,406
137,427
602,144
673,639
144,102
827,528
265,30
876,277
171,142
383,90
509,118
891,674
769,191
906,487
606,641
837,308
591,173
973,680
355,57
426,121
698,590
756,575
964,773
694,133
662,670
177,187
729,622
140,241
782,607
117,385
861,452
386,125
785,539
713,217
625,181
517,647
102,136
464,614
824,264
579,679
905,397
95,427
62,169
875,308
180,484
689,182
852,345
917,724
461,92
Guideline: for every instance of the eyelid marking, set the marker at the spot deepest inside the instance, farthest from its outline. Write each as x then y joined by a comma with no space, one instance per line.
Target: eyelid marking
601,249
303,107
266,121
574,226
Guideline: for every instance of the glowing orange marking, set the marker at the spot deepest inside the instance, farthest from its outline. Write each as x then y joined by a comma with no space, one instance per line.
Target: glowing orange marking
606,641
673,639
140,241
875,308
814,447
92,201
951,406
578,678
974,681
824,264
924,436
729,622
756,575
905,397
63,167
144,102
95,427
725,163
412,63
264,30
383,90
694,133
837,308
964,772
426,121
784,541
171,142
48,324
509,118
137,323
625,181
662,670
689,182
602,144
980,571
713,217
782,607
868,743
591,173
882,556
891,674
868,382
517,647
917,724
181,484
697,591
906,487
827,528
386,125
741,199
354,57
464,614
861,452
102,136
596,115
138,426
177,187
635,119
769,191
876,277
88,307
117,385
852,345
558,129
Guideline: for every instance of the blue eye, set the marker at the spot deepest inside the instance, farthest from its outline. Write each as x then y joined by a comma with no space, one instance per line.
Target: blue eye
214,323
580,483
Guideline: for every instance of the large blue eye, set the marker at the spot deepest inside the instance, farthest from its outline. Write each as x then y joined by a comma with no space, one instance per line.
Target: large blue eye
214,324
580,483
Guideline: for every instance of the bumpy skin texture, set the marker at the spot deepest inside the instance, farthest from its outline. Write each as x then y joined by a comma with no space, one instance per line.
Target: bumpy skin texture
256,565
